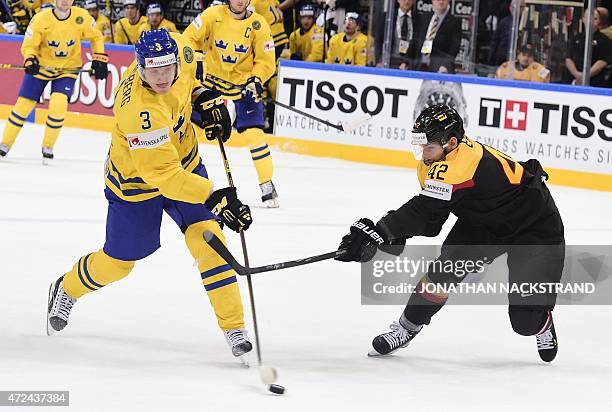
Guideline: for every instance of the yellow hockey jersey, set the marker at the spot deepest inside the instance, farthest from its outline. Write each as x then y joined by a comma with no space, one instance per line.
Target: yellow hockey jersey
103,24
154,148
535,72
309,44
57,43
271,11
352,52
165,24
127,33
235,49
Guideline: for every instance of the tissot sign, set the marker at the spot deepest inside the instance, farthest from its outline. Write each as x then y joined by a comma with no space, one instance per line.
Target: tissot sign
561,127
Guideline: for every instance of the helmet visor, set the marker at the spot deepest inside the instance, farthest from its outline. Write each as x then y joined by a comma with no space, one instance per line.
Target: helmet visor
418,142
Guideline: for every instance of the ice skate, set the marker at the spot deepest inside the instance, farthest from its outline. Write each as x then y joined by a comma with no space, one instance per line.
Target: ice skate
547,341
59,307
47,154
269,197
389,342
4,149
239,343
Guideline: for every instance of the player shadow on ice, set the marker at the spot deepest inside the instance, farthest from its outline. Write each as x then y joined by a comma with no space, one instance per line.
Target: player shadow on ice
124,352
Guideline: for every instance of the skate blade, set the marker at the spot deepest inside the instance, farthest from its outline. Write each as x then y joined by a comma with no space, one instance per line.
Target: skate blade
45,162
271,203
244,359
50,330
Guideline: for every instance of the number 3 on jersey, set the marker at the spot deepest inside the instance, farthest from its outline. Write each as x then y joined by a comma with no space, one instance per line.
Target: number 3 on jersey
146,121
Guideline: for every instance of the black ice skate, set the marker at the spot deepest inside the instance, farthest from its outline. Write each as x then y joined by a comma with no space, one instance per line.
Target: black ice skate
238,341
3,149
59,307
269,197
547,341
398,337
47,154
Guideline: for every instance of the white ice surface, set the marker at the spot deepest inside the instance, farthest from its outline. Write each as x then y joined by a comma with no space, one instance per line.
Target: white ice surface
150,342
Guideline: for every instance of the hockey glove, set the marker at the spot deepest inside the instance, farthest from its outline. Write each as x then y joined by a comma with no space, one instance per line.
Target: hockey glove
210,113
253,89
31,66
99,65
296,56
225,204
361,242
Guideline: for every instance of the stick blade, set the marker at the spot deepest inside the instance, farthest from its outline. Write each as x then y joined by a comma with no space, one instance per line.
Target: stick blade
348,127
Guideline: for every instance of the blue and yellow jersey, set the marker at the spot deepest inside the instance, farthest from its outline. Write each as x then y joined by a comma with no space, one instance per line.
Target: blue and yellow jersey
351,52
309,44
154,148
270,10
235,49
127,33
57,43
165,24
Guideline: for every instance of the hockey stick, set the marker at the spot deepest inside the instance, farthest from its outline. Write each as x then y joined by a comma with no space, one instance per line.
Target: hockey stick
54,69
223,251
346,127
268,374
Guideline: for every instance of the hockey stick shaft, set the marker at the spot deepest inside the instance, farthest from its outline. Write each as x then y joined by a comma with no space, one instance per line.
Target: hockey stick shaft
56,69
230,181
218,246
340,127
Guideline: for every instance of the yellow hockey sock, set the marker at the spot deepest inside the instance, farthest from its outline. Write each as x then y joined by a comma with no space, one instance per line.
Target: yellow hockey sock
94,271
260,153
218,277
22,109
58,105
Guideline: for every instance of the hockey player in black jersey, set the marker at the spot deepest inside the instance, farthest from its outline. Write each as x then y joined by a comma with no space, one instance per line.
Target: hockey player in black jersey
498,201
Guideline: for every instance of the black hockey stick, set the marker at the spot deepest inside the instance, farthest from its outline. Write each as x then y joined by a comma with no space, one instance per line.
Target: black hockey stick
346,127
222,251
53,69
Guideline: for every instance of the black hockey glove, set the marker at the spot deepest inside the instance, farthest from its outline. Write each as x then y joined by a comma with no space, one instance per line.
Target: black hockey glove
361,242
296,56
253,89
99,66
31,66
210,113
225,204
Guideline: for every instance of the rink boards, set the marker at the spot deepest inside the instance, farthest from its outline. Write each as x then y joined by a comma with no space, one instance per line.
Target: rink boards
569,129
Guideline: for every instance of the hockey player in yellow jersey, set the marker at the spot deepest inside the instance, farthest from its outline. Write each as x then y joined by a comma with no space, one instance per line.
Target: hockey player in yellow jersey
52,52
306,43
156,19
270,10
350,47
127,29
525,68
240,58
153,166
103,24
503,207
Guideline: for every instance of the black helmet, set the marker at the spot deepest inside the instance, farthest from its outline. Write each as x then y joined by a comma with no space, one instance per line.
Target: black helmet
438,123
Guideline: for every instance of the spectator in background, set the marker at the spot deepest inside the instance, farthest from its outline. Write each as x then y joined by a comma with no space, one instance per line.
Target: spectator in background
525,68
156,20
102,22
439,40
306,43
604,22
500,44
403,43
127,29
600,59
349,47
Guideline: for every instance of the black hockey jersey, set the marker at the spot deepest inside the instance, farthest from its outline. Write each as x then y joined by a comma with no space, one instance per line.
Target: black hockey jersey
480,185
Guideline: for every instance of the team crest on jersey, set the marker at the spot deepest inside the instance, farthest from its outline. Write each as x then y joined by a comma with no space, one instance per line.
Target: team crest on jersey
70,43
240,48
188,54
256,25
53,43
221,44
79,20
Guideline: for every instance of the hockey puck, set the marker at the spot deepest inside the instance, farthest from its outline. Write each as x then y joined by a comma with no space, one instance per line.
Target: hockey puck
277,389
